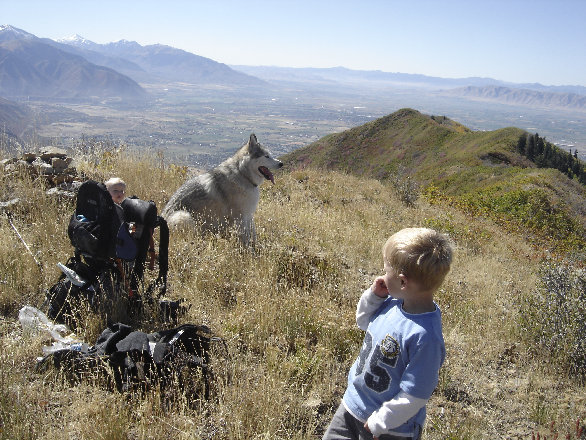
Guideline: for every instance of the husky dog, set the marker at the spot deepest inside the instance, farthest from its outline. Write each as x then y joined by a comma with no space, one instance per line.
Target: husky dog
227,195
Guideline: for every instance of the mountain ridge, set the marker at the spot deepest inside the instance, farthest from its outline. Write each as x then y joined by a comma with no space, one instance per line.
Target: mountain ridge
477,170
29,67
164,62
378,77
522,96
13,117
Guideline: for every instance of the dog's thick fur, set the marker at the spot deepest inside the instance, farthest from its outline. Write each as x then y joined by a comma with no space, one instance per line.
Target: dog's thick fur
226,196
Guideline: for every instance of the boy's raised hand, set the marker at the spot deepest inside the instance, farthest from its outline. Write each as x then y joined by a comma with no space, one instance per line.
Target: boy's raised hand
368,429
379,288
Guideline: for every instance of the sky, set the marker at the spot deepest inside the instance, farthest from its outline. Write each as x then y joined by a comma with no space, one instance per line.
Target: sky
520,41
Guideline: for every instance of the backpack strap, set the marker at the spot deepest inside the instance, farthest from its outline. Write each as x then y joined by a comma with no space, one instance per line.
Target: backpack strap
163,254
152,254
144,213
189,344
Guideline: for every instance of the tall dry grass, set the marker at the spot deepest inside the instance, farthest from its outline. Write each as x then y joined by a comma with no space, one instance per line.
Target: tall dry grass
286,311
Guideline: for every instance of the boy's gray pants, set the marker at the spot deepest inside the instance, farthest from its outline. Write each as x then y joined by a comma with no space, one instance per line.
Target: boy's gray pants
345,427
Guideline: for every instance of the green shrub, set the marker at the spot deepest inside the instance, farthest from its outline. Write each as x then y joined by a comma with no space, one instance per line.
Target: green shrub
530,210
554,318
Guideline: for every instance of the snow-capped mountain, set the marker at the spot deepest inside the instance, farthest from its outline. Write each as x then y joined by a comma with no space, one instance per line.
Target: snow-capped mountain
9,33
39,68
78,41
161,62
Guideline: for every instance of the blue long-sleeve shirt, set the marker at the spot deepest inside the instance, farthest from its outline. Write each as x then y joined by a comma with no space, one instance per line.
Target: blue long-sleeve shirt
401,353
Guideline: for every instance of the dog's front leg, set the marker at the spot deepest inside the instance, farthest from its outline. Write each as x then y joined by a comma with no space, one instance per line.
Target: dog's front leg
252,238
247,232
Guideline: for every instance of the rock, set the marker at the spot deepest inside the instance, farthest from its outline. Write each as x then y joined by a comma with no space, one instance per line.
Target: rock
60,193
48,153
29,157
59,164
52,165
10,168
5,162
9,203
59,179
23,163
44,169
20,166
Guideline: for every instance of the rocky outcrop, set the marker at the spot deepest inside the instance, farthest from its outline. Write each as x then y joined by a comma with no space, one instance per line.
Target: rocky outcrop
51,164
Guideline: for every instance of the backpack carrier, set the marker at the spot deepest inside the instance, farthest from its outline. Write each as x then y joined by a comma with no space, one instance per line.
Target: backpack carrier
111,245
175,360
95,222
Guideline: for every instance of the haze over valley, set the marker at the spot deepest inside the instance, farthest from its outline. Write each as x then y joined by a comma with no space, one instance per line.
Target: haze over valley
196,110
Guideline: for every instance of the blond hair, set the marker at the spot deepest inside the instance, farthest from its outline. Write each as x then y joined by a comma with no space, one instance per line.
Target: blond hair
113,181
422,254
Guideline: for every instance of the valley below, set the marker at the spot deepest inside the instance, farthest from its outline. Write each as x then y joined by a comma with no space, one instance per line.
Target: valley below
202,125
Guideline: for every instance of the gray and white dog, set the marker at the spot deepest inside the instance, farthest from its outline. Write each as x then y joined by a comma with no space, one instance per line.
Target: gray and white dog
226,196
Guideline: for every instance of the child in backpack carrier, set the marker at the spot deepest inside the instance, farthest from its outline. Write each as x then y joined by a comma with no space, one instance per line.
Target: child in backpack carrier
117,189
112,236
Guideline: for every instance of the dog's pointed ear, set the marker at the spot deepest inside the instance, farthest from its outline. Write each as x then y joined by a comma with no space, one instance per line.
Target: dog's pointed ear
252,143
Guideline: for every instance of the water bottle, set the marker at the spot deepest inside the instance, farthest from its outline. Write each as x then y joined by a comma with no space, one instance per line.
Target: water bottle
81,347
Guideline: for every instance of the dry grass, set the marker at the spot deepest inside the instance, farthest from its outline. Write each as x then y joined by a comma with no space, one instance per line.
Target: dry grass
286,311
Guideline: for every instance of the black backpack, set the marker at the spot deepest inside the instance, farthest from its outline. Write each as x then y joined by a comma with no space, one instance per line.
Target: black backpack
94,224
94,283
169,359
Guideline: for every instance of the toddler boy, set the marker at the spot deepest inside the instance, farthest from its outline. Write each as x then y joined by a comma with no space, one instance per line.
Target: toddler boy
403,348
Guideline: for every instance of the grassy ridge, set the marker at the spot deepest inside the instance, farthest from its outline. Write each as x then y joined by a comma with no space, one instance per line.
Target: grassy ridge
479,171
287,313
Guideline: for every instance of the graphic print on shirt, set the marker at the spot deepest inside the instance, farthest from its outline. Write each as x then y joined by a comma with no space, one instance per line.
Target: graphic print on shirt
376,376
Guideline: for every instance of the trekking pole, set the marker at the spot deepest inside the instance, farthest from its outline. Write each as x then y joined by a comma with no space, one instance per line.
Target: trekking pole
23,242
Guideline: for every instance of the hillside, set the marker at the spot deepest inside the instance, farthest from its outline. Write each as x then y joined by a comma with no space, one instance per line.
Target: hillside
13,117
481,171
287,312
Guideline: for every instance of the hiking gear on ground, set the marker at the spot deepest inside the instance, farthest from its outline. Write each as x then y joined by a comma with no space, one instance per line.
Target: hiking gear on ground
168,358
83,282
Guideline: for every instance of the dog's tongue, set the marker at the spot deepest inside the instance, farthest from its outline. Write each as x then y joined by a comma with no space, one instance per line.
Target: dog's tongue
268,175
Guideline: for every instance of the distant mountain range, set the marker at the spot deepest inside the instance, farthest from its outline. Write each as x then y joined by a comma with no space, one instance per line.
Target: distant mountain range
340,78
522,96
567,97
160,62
31,67
76,68
377,78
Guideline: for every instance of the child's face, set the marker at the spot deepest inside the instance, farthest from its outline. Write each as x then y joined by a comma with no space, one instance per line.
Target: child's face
117,192
392,280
